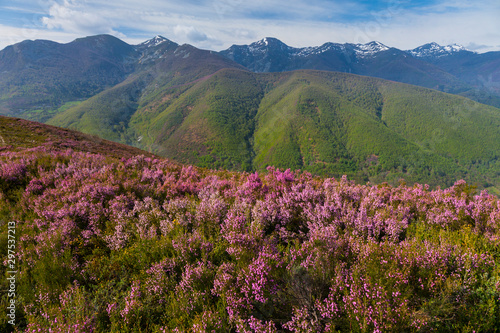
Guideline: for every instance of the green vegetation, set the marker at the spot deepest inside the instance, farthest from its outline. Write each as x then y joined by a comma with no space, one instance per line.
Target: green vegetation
326,123
107,113
44,115
139,244
44,75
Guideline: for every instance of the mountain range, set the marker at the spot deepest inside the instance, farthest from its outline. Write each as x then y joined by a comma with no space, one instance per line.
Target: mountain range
450,68
329,110
42,75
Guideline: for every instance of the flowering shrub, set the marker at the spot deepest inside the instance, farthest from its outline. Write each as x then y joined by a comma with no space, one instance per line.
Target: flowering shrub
142,244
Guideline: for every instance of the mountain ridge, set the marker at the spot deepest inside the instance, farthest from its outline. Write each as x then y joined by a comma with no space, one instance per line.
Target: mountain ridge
444,68
44,75
435,50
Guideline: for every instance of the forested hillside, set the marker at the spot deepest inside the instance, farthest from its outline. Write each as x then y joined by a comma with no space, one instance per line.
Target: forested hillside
323,122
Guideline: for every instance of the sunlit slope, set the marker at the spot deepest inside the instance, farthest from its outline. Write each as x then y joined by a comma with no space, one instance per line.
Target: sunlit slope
323,122
20,134
339,123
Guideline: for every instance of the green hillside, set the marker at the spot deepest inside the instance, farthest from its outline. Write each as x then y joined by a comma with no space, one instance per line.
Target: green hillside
106,114
323,122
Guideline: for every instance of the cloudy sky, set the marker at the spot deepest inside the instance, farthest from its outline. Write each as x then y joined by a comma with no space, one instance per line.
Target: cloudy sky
217,24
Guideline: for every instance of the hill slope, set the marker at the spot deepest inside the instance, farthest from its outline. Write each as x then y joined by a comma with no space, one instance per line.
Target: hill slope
140,244
17,134
322,122
108,113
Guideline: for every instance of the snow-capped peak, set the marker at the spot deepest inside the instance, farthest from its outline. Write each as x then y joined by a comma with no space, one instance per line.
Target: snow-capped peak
268,41
454,48
436,50
155,41
264,44
315,50
261,43
150,50
369,49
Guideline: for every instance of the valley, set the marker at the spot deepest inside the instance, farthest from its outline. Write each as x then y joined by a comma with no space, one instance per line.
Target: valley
328,110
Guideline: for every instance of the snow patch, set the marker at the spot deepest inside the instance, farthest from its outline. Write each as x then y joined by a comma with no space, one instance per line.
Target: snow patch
153,42
436,50
369,49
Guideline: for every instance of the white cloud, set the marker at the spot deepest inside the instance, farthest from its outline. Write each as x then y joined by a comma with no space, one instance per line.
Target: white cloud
11,35
190,33
480,26
217,24
73,17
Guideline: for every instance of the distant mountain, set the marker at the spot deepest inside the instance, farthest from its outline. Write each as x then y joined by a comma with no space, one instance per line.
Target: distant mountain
449,68
434,50
480,71
42,78
272,55
42,74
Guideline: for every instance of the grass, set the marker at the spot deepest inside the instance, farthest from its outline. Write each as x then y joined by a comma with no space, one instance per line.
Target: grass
44,115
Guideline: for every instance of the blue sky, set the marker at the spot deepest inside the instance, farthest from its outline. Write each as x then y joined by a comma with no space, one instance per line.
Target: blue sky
217,24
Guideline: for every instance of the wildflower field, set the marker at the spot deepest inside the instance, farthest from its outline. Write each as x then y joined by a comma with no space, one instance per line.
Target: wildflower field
145,245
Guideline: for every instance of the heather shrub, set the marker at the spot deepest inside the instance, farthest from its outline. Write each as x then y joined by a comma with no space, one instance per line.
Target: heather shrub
146,245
